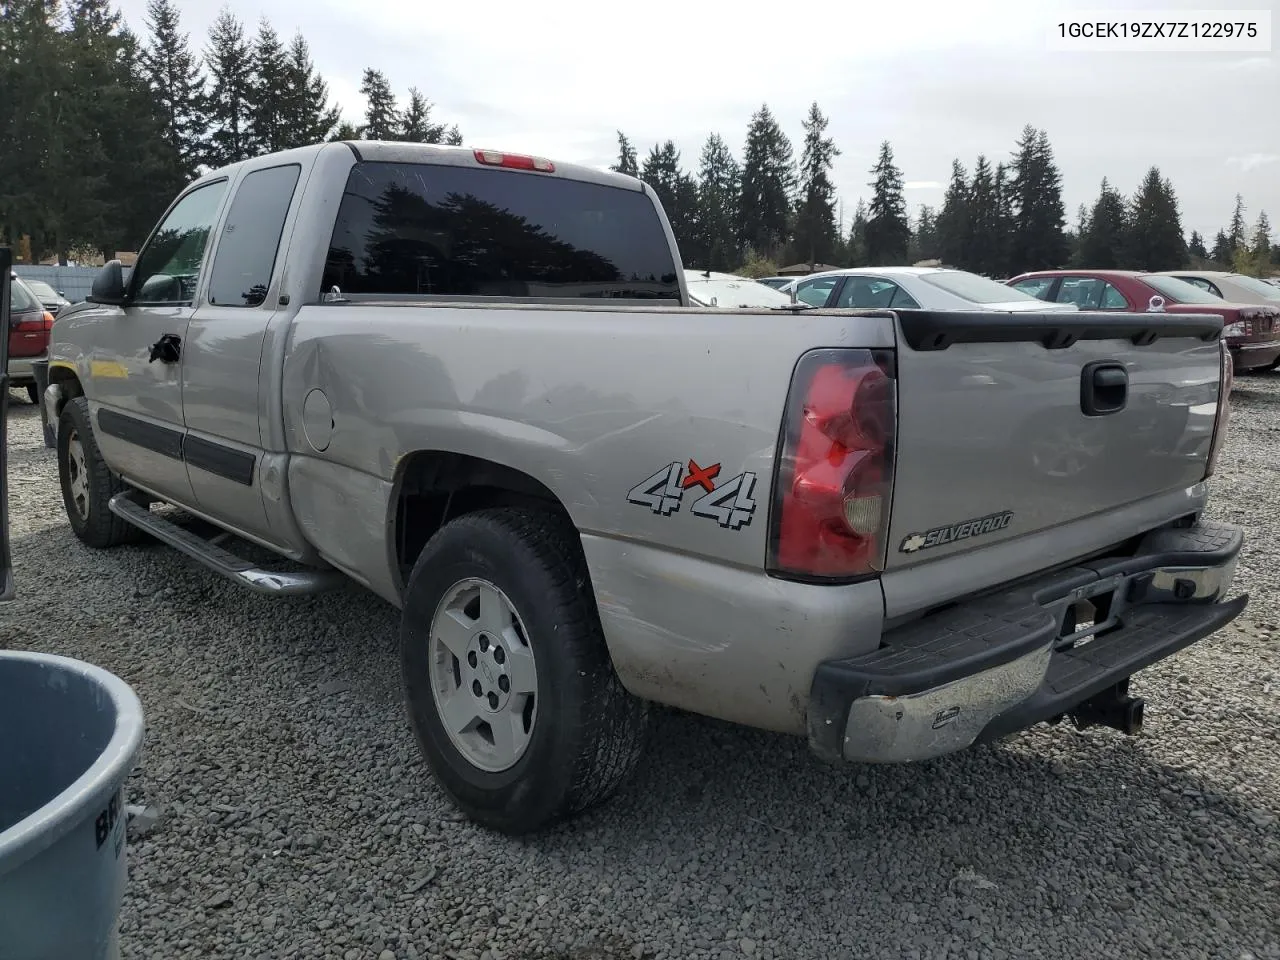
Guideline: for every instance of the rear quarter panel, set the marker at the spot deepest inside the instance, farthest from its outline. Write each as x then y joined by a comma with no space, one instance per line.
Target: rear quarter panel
592,402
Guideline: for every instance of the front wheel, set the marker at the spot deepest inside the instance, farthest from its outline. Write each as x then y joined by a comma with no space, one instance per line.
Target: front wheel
87,482
510,689
33,394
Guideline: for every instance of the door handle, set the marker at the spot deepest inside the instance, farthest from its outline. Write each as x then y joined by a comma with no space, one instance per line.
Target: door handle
168,349
1104,388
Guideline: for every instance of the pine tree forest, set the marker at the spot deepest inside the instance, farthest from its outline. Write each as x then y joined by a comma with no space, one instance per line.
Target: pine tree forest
115,122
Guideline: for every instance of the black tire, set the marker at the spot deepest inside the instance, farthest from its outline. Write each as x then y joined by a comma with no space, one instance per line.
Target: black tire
589,731
33,394
100,527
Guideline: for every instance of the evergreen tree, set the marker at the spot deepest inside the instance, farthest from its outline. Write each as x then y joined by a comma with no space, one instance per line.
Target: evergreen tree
768,180
924,237
815,224
627,162
953,219
986,244
78,204
1004,263
32,127
1196,247
888,232
177,83
381,118
453,136
115,144
1155,226
1103,244
1262,240
676,191
307,118
1236,231
718,200
345,131
415,122
1222,251
1075,237
231,94
856,255
1039,238
269,105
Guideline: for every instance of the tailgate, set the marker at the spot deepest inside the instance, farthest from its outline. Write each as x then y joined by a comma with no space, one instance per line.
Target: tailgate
1009,425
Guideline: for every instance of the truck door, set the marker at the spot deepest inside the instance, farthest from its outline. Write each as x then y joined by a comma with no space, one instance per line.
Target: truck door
6,568
135,389
225,376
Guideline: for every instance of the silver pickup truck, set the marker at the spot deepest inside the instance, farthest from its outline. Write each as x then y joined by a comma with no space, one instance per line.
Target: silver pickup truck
472,382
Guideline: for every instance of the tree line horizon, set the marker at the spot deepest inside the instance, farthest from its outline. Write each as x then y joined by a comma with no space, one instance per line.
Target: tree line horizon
111,125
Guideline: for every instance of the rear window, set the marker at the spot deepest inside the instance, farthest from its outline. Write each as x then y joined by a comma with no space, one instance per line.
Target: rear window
1257,287
1179,291
41,289
975,289
427,229
735,293
20,298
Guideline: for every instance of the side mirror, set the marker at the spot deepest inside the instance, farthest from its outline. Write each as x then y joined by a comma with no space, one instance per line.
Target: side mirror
108,285
1155,304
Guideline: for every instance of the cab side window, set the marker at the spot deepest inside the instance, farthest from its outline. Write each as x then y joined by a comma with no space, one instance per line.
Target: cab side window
169,266
250,238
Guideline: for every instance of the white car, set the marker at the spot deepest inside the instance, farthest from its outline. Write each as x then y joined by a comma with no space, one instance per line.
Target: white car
709,289
915,288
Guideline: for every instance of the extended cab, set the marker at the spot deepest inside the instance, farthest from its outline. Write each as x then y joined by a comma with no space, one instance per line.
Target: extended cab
474,383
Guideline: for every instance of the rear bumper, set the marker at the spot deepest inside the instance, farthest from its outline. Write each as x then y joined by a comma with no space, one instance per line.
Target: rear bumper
1247,356
998,664
20,371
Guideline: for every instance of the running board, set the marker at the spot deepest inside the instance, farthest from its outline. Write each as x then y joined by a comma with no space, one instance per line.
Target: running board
274,583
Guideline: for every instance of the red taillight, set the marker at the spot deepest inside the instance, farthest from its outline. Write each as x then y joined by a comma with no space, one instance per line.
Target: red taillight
514,161
835,467
1222,417
1257,322
43,325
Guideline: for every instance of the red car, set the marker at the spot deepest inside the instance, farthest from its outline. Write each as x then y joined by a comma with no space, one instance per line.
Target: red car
29,326
1252,332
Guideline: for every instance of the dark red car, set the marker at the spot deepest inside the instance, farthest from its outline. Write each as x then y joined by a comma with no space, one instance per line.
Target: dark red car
1252,332
29,326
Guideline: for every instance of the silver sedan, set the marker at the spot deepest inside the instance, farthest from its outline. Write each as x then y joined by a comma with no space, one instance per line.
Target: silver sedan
1235,287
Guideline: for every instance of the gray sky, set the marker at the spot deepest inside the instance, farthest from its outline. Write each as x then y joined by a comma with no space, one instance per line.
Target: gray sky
938,79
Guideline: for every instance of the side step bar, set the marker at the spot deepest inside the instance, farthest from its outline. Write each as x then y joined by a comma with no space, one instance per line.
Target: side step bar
272,582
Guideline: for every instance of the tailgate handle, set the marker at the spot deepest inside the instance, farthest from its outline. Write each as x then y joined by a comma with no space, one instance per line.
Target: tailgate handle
1104,388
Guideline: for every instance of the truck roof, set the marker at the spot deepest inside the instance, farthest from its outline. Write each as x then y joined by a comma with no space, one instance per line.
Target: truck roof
380,151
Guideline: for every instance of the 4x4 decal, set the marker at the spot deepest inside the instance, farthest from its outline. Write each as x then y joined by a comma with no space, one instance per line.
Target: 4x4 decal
730,503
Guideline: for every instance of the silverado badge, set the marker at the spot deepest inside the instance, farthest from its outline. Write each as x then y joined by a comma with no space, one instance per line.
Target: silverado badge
939,536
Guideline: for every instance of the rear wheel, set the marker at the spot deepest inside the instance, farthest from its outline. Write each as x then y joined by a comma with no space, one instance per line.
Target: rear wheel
87,482
33,394
510,689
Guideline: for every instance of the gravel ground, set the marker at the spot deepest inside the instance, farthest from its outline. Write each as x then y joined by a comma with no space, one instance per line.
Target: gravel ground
296,820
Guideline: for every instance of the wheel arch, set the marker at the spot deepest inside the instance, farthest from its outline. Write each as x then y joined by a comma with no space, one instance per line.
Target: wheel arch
432,487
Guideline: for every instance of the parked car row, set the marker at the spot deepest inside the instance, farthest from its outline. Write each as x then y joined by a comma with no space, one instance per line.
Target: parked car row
1250,309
